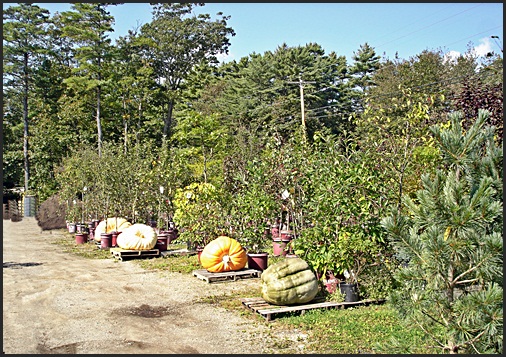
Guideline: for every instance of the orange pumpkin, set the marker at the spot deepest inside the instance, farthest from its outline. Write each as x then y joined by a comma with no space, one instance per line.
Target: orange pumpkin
223,254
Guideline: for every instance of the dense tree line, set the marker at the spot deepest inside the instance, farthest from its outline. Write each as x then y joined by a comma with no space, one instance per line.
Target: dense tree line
66,85
118,126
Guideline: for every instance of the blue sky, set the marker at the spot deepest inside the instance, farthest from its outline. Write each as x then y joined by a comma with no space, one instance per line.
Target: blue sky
405,28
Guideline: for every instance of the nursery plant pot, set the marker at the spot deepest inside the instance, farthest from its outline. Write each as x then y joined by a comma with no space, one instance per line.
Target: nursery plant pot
81,228
258,261
72,227
286,235
114,238
161,241
278,247
171,235
105,240
274,231
199,253
351,291
81,238
92,232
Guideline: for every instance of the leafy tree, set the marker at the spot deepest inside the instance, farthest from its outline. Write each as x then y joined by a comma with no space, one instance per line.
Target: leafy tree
202,141
200,212
177,42
397,133
345,196
252,207
87,25
134,89
482,90
24,32
451,241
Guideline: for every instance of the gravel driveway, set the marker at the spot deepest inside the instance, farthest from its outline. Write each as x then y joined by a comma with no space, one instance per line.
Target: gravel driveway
59,303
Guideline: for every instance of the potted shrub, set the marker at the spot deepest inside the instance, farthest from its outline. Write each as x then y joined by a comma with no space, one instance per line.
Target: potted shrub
248,217
199,214
344,208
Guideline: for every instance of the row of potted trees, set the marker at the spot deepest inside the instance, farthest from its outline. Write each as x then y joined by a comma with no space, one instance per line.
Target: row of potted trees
327,204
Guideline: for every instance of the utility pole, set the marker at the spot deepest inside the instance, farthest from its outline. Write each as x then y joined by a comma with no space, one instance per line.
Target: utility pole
496,38
301,86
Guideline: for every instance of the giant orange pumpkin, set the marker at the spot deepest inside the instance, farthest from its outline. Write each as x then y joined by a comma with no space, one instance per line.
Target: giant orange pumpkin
223,254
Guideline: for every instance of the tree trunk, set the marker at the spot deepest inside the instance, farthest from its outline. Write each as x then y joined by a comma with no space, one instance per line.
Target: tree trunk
25,120
125,127
168,118
139,125
99,125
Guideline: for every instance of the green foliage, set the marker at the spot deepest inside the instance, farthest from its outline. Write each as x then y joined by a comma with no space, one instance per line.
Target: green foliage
345,197
200,214
400,143
202,141
175,42
451,241
251,208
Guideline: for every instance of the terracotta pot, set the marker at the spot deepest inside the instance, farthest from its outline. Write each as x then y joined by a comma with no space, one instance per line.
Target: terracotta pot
161,241
199,253
81,238
258,261
278,247
105,240
114,238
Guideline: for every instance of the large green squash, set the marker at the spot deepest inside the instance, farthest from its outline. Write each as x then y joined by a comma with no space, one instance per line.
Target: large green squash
289,281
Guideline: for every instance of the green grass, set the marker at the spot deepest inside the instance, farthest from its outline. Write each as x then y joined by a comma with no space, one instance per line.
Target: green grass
175,263
87,250
366,329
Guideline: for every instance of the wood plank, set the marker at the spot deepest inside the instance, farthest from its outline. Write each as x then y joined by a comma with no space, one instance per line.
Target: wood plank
121,254
267,310
205,275
170,252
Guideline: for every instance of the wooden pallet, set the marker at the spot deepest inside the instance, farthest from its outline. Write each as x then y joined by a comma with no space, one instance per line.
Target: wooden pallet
178,252
203,274
268,310
122,254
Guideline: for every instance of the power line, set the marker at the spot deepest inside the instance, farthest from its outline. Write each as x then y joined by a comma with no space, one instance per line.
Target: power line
451,80
423,28
476,34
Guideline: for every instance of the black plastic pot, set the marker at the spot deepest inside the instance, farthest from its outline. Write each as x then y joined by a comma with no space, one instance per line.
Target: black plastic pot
351,291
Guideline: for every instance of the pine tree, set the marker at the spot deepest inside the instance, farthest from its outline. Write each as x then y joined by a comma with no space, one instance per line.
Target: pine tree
451,239
24,32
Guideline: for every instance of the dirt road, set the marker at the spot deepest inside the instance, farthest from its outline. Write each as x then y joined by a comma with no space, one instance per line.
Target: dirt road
59,303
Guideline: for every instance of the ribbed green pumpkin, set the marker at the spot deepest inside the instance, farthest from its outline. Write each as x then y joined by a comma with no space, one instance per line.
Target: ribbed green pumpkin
289,281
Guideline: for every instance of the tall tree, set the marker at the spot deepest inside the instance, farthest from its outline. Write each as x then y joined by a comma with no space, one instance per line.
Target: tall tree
88,26
202,140
263,92
24,32
177,42
365,63
450,238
